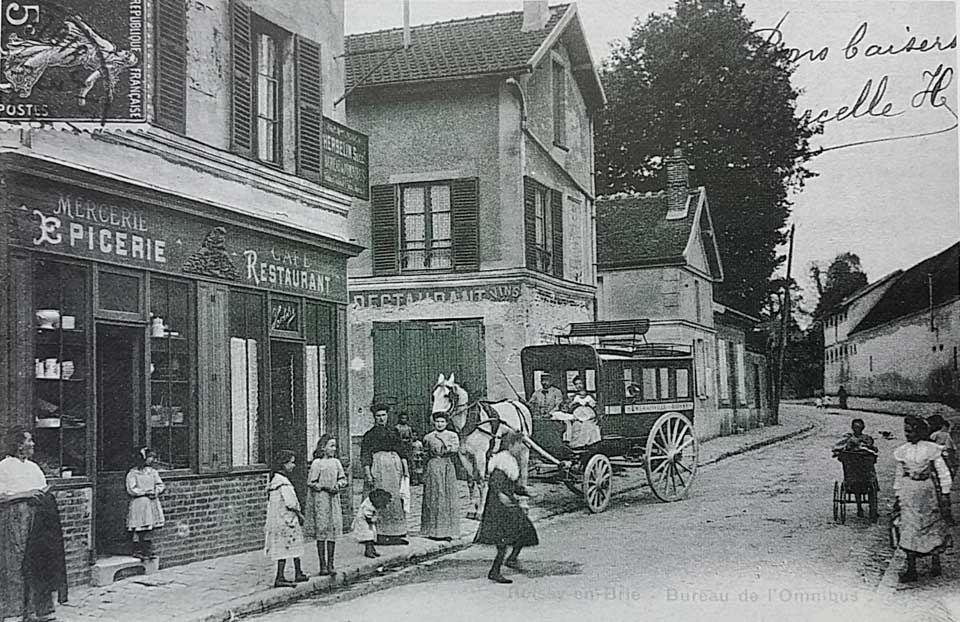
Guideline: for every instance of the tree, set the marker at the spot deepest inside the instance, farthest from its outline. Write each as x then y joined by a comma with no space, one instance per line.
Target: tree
844,276
700,79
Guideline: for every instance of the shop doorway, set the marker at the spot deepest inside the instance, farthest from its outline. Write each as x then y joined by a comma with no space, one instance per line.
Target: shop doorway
289,421
119,390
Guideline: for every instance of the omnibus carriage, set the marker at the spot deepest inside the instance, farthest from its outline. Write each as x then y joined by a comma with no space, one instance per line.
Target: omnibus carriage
644,397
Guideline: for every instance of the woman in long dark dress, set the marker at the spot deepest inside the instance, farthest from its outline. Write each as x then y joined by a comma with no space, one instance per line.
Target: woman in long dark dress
505,523
440,516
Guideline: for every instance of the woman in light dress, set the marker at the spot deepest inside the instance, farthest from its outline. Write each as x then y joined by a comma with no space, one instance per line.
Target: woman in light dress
440,518
922,487
583,429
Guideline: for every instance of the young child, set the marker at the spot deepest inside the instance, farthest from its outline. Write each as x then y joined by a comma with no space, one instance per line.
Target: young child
940,434
145,514
327,478
365,522
284,529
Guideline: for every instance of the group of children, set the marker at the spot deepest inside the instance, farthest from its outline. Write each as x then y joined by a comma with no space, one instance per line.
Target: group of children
286,518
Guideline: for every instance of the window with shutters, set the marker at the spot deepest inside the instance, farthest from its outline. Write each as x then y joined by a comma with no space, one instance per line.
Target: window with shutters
543,223
426,238
426,227
266,46
543,231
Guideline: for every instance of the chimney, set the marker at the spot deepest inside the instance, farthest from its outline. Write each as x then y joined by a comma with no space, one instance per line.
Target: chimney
536,14
678,184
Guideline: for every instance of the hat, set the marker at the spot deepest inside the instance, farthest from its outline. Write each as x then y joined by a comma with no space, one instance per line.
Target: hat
546,374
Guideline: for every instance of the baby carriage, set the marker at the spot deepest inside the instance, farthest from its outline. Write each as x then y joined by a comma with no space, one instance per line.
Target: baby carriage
859,484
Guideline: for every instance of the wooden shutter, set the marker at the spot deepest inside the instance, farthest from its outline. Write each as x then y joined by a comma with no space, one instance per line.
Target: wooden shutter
471,359
384,229
170,100
556,220
309,110
418,375
241,123
213,389
530,221
388,363
465,214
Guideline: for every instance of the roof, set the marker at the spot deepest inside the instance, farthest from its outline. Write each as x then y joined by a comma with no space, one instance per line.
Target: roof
863,291
910,293
633,231
462,48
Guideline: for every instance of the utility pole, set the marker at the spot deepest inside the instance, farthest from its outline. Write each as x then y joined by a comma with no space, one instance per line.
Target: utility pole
785,319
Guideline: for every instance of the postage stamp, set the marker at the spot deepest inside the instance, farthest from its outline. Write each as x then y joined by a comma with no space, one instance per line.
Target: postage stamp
80,60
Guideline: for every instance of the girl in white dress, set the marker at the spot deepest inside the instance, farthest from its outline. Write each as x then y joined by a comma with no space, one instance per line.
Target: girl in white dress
145,514
284,528
324,513
583,426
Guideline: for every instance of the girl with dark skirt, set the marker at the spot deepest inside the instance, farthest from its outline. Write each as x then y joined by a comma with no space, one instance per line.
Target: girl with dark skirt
505,523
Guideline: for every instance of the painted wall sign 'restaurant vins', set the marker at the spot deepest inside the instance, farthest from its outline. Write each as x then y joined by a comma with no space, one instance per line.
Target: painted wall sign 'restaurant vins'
100,227
81,64
402,297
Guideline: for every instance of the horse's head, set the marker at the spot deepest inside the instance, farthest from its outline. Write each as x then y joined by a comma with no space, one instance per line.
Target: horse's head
451,399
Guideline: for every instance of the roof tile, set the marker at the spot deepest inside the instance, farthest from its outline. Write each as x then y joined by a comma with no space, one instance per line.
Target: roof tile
633,229
461,47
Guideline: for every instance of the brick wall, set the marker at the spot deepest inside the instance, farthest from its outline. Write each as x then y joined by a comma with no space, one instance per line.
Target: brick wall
75,506
211,517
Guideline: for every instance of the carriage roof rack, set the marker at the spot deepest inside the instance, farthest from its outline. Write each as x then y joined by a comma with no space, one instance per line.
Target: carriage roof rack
627,333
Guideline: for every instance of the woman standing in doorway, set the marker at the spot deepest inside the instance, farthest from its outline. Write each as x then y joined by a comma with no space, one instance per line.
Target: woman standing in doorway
384,465
440,518
922,486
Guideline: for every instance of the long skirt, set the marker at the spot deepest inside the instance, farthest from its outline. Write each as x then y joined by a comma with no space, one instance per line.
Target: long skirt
387,470
16,596
440,517
324,515
922,528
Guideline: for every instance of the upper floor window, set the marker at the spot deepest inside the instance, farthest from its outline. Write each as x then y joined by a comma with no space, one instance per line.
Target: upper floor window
425,226
543,230
559,104
267,90
426,241
543,220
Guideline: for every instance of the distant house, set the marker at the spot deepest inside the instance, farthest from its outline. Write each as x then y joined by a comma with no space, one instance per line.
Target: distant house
657,258
905,340
479,229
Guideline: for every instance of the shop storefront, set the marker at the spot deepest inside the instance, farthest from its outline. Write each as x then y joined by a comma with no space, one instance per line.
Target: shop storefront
135,318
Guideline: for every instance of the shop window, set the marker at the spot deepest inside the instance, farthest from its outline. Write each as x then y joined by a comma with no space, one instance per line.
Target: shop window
61,384
247,339
319,371
172,345
425,233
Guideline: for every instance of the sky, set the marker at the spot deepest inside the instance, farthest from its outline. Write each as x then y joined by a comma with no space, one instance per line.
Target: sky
894,202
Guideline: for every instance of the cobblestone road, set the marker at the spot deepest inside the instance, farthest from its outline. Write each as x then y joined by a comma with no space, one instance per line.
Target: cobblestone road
756,541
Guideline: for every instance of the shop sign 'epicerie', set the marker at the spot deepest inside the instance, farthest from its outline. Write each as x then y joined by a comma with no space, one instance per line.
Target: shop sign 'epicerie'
104,228
76,62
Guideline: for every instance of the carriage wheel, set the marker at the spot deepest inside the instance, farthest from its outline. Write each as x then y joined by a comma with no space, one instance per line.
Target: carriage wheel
671,458
836,501
598,483
843,503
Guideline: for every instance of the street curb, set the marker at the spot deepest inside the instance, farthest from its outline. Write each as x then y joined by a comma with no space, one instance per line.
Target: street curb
890,579
761,444
272,598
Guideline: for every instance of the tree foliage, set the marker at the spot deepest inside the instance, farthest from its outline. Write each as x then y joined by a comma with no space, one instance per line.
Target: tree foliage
844,276
699,78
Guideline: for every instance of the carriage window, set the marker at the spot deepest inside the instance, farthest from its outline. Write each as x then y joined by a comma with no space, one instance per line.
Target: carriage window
683,383
649,383
664,383
589,376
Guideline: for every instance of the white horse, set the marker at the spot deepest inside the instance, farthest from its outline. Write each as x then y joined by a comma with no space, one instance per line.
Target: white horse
479,442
